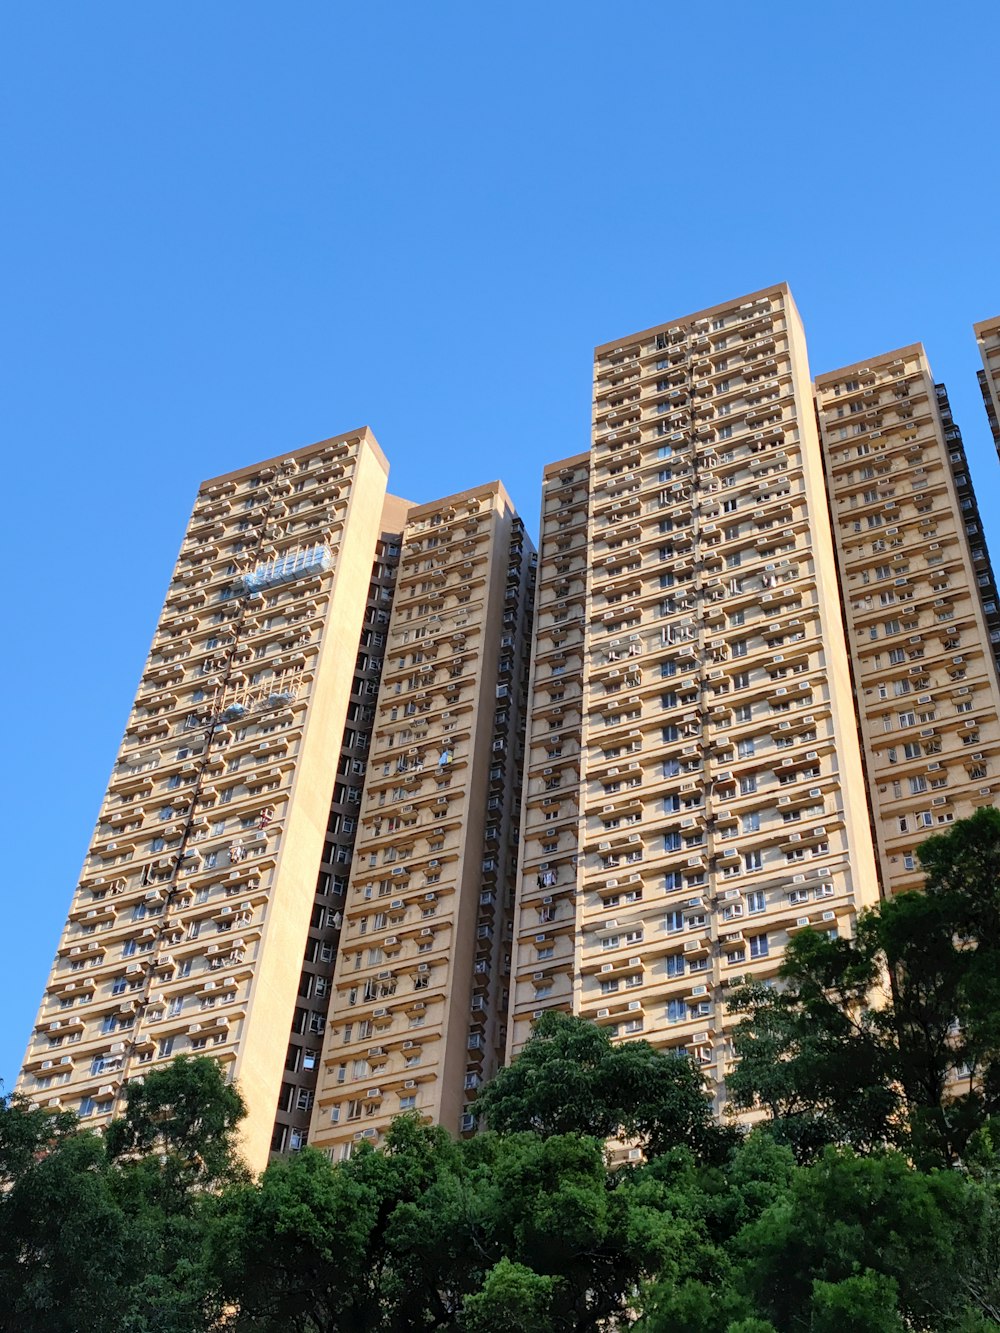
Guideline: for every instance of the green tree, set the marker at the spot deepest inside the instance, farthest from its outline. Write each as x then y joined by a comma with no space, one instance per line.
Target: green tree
28,1132
846,1216
429,1234
292,1250
184,1116
513,1299
892,1037
570,1078
110,1233
865,1303
65,1244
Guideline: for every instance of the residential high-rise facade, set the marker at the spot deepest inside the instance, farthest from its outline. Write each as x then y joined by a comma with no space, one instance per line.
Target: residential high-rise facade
308,1020
919,600
417,1017
392,788
764,670
544,953
988,337
720,804
188,926
296,749
971,519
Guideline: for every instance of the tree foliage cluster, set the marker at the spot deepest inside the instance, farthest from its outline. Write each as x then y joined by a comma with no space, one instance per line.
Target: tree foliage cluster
865,1200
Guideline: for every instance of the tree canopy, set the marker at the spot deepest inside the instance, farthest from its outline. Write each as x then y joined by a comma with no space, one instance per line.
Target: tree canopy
892,1037
866,1199
571,1078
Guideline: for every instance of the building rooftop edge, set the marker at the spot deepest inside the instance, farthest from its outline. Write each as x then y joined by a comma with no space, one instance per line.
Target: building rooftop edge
561,464
775,287
894,355
363,433
486,488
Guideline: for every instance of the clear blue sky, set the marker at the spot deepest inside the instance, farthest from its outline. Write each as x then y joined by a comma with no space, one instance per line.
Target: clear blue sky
231,229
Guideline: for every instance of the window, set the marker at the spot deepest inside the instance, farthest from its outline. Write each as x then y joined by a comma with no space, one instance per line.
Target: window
756,902
673,921
677,1011
759,947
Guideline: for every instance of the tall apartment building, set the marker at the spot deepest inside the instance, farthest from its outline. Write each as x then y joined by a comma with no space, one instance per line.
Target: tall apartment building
417,1017
988,337
308,1021
544,955
720,806
919,600
354,849
188,926
968,510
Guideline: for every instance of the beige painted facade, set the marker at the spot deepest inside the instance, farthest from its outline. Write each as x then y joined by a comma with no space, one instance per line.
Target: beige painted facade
721,798
308,1019
912,557
187,929
331,855
988,337
545,916
416,1020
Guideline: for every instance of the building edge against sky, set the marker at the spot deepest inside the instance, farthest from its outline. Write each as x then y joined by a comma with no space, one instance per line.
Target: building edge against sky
720,803
988,337
417,1017
188,926
330,854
